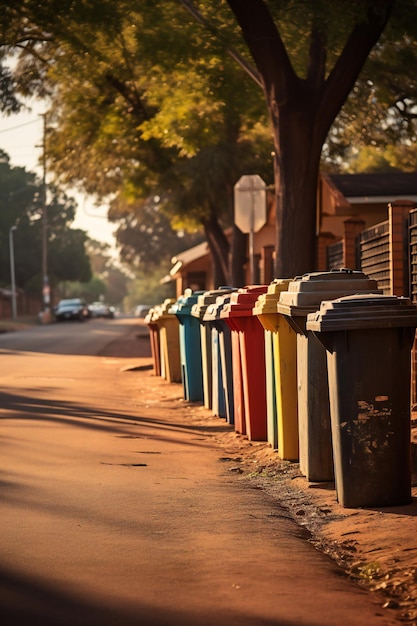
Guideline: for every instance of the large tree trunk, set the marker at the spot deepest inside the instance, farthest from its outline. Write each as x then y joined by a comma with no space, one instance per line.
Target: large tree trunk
219,248
296,175
302,111
238,257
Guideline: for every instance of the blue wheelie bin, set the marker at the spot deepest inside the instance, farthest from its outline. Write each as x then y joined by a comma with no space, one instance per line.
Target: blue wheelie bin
190,346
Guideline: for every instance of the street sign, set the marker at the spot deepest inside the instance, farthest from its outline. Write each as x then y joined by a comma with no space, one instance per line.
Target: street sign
250,203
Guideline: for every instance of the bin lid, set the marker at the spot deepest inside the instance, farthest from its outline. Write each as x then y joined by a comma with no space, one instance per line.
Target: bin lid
206,298
164,309
150,316
242,301
213,310
363,311
183,305
267,302
305,293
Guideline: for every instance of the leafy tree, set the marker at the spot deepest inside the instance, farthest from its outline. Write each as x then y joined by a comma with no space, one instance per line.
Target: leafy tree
90,291
109,282
147,288
379,119
115,132
145,235
21,205
307,55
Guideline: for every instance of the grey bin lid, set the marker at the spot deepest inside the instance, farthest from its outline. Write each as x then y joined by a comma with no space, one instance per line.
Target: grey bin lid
207,298
307,292
363,311
213,310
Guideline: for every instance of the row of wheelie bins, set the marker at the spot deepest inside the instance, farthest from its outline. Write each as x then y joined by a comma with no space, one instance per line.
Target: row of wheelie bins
318,365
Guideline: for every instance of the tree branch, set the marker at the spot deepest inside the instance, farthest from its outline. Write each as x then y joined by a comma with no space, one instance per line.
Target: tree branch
265,45
244,64
316,59
352,59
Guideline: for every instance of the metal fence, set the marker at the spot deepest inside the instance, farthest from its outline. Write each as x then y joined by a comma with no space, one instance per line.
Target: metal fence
413,255
374,254
335,256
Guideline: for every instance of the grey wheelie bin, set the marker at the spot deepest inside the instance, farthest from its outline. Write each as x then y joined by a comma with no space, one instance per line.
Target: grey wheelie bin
368,339
223,397
304,296
198,310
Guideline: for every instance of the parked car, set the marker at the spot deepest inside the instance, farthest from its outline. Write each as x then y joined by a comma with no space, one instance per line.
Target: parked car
141,310
100,309
71,309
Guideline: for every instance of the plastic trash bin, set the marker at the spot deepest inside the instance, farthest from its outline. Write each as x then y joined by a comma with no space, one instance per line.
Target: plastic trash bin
283,423
271,391
154,340
198,310
250,335
190,346
304,296
224,376
218,405
169,339
368,339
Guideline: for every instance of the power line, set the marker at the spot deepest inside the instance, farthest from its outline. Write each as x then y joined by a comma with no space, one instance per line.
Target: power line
6,130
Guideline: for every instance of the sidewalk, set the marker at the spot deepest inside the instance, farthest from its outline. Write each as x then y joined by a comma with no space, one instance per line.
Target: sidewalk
120,499
377,548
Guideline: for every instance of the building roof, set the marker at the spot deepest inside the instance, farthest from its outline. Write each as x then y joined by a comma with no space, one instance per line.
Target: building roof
188,256
385,186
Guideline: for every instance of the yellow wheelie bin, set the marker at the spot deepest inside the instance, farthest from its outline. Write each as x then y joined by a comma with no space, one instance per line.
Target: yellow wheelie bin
282,426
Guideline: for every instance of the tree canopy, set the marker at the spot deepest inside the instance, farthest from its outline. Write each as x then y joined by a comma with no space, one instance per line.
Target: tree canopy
149,101
21,205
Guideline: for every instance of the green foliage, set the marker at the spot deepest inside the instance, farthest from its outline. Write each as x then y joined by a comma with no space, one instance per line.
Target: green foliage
108,282
380,115
371,159
145,104
147,288
21,205
90,291
145,236
148,103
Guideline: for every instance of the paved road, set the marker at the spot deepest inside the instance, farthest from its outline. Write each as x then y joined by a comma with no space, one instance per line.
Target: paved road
117,510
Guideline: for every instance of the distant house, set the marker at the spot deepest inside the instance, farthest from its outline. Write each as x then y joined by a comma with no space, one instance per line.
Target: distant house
192,269
341,197
364,196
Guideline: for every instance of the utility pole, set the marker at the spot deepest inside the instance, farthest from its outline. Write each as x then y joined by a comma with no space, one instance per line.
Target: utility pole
45,280
12,272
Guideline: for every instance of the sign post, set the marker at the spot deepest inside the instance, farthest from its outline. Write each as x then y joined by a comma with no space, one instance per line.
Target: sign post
250,210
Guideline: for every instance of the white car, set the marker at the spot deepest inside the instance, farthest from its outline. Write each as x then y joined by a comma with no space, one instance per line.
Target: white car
100,309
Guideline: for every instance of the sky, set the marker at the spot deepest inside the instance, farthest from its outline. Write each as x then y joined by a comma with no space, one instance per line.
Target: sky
21,138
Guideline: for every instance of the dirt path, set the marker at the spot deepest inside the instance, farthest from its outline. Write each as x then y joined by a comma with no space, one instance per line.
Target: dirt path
123,504
376,547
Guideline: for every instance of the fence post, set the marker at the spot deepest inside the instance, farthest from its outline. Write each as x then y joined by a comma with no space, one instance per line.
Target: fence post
323,241
398,215
266,265
352,228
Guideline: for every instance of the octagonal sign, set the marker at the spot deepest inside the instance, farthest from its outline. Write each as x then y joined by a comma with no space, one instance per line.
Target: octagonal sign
250,203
